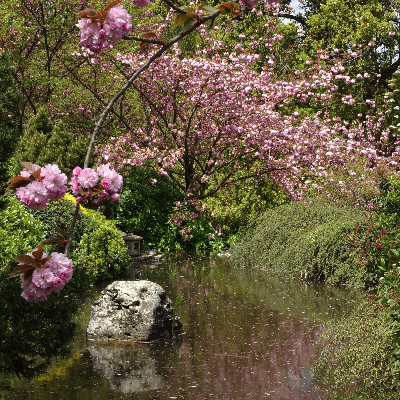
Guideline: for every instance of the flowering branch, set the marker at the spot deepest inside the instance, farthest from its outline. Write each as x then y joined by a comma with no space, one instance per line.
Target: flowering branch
159,53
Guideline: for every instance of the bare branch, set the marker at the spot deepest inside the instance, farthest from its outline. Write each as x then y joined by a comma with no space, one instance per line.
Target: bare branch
143,39
176,8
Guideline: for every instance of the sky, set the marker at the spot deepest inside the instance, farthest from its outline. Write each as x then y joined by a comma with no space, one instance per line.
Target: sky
295,5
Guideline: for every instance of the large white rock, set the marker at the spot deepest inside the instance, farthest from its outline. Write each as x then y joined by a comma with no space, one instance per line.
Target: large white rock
132,310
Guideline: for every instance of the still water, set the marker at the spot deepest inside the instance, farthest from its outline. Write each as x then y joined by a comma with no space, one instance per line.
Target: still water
248,335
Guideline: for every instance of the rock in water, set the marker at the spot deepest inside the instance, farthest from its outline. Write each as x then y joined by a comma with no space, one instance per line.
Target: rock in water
132,310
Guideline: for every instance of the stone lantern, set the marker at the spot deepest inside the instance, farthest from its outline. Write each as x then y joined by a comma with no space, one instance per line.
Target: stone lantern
132,242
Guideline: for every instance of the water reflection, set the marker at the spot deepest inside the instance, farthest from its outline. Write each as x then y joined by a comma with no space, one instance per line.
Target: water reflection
248,335
132,368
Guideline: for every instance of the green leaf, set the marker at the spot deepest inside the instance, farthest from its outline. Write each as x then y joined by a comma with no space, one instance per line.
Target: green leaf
182,18
207,8
188,24
189,9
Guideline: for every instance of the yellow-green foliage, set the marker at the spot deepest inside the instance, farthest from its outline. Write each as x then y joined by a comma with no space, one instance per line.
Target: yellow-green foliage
20,232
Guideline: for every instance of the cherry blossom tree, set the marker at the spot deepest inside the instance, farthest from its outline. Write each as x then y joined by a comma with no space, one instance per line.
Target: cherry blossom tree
213,121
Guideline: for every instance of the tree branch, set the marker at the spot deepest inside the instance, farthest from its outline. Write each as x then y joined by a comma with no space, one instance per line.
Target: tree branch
296,18
173,6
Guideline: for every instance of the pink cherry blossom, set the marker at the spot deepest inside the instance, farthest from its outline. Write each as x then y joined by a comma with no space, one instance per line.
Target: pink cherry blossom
116,181
75,186
91,37
76,171
54,182
43,278
26,174
88,178
114,197
106,184
52,277
34,196
104,170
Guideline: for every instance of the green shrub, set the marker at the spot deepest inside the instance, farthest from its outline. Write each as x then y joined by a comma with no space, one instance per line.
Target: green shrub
102,252
304,239
97,245
59,215
145,209
231,211
20,232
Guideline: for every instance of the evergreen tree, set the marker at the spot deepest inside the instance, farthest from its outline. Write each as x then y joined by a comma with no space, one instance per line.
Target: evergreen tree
9,118
43,143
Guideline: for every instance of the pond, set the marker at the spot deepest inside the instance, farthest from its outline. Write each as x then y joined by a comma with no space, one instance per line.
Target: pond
248,335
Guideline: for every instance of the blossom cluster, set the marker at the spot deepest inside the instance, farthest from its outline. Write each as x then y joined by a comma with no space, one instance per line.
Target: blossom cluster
52,277
50,185
96,36
86,182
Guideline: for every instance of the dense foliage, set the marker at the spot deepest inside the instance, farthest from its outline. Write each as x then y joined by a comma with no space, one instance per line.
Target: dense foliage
243,101
304,239
357,358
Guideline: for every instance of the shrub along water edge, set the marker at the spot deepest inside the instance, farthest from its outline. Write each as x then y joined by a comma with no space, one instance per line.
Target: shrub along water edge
311,240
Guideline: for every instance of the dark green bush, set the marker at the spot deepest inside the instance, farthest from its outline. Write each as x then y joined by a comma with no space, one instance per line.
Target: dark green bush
145,209
304,239
59,214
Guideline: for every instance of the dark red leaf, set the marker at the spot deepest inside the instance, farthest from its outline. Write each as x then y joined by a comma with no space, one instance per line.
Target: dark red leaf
19,179
20,269
38,254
